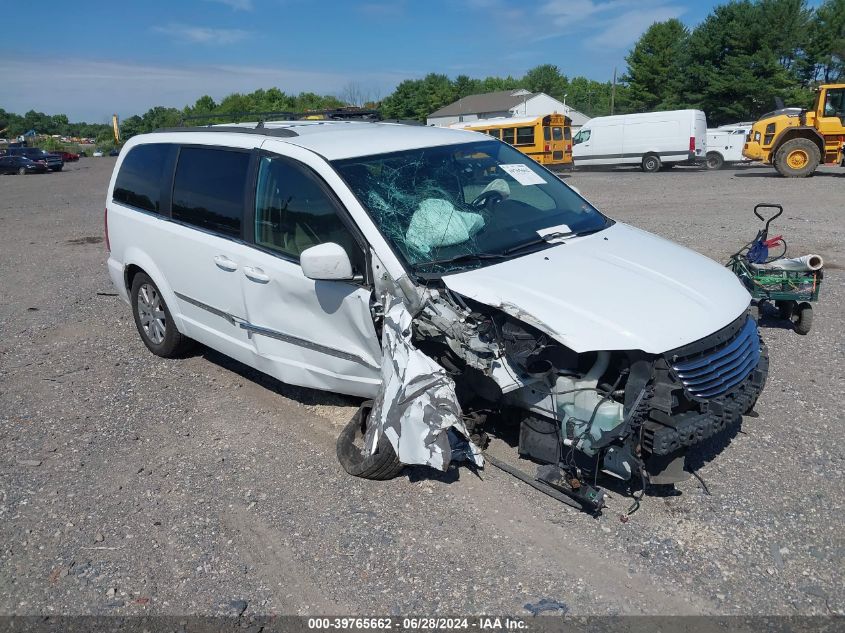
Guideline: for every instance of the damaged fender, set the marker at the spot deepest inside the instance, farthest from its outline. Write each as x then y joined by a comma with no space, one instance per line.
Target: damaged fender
416,404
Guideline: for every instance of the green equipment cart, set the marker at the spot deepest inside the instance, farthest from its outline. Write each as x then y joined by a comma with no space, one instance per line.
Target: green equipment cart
791,291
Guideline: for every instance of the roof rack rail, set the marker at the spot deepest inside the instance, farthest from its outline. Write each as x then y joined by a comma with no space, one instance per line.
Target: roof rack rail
238,129
336,114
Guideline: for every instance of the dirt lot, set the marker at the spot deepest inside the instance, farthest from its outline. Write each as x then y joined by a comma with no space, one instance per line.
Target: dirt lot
134,484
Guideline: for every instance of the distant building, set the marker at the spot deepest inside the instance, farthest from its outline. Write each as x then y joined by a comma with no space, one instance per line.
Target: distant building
504,103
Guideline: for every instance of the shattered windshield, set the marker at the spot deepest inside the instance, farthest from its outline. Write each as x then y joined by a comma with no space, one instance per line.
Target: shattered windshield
457,206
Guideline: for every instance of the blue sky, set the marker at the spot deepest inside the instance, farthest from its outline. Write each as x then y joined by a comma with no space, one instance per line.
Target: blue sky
89,59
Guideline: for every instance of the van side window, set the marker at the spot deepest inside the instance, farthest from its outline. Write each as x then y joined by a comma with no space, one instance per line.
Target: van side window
139,181
209,187
293,213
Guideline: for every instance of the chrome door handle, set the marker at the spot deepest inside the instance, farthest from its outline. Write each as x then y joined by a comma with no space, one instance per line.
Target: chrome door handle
256,274
225,263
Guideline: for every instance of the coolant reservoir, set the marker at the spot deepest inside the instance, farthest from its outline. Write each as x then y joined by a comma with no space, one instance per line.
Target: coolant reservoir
576,408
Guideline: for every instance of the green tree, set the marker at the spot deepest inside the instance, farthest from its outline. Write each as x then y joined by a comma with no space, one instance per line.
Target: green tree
464,86
493,84
132,126
733,65
546,78
652,65
417,98
826,43
591,97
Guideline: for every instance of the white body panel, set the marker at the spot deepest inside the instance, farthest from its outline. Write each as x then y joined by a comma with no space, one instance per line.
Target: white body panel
312,333
626,139
728,142
620,289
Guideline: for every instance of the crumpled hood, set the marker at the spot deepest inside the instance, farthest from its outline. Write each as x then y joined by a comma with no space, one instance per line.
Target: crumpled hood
619,289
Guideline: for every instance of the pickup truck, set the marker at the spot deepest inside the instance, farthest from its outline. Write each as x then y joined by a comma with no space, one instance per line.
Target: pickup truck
54,162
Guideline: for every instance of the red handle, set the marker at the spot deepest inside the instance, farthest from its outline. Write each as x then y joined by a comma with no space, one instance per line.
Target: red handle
773,241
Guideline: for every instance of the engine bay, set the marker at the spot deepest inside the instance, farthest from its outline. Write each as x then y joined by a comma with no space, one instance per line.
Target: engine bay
581,417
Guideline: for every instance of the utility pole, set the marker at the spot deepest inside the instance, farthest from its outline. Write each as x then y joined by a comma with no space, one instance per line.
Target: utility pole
613,92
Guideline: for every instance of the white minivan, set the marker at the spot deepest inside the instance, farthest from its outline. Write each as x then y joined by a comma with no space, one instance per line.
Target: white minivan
443,274
651,140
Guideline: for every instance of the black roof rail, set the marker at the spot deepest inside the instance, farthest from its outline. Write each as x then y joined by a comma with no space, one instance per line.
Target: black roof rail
335,114
237,129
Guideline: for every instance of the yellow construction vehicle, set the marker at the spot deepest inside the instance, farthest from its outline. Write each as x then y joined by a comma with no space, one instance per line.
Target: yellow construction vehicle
795,140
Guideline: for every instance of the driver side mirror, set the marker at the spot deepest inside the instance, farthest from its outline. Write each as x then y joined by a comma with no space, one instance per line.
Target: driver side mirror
326,262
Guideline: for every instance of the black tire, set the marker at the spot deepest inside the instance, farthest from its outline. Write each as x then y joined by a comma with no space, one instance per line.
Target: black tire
804,318
651,163
797,147
22,171
381,465
174,343
715,160
786,308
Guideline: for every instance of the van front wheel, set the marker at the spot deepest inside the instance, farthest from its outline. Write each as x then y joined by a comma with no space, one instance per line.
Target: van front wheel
383,464
651,164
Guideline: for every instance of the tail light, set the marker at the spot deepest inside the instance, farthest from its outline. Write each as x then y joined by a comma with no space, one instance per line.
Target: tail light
692,143
106,229
548,147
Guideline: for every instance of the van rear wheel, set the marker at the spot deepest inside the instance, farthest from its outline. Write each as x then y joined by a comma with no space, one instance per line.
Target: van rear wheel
651,163
154,321
715,160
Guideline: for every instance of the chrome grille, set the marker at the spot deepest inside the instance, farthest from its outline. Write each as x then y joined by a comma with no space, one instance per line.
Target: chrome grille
718,370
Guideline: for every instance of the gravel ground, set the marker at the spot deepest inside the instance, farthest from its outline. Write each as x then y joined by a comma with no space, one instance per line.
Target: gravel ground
132,484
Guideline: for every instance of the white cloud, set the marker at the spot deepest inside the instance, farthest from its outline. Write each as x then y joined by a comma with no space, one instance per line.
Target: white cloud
93,90
625,29
202,34
610,24
237,5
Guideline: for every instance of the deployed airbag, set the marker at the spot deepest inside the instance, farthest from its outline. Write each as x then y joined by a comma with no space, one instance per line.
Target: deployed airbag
438,223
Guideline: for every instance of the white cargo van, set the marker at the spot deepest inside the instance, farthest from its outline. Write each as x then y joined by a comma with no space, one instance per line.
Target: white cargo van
725,143
651,140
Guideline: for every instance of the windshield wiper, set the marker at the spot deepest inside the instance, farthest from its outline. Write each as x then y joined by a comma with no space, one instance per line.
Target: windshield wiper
541,239
548,237
466,257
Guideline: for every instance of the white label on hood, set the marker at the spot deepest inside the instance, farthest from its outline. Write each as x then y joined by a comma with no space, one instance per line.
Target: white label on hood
523,174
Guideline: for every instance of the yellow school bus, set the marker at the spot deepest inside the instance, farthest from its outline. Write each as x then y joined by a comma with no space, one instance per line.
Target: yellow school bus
546,139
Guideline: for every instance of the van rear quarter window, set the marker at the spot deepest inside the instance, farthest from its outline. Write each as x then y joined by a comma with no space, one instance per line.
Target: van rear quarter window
208,190
139,181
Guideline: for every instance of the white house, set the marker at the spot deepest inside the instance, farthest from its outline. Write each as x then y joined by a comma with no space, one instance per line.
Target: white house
504,103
